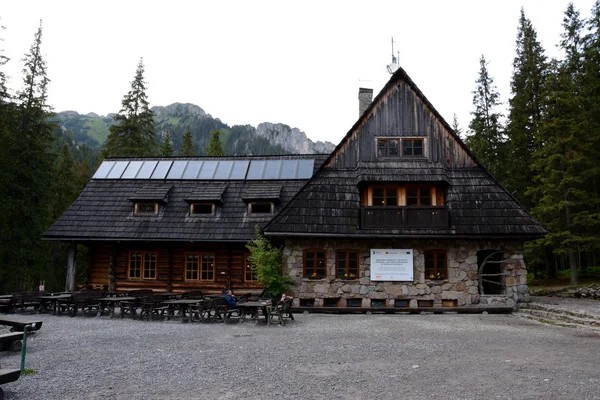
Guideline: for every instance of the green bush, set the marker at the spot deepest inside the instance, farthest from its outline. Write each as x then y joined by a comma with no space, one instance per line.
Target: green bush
266,260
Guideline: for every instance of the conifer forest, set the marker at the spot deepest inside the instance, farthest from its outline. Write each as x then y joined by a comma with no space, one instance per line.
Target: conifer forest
543,146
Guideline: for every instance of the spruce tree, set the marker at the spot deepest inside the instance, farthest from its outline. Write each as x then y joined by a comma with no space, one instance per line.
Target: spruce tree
187,149
456,126
132,135
27,175
215,148
485,139
525,110
166,148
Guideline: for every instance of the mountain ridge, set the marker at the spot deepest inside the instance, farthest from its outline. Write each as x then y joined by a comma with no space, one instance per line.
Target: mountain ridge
266,138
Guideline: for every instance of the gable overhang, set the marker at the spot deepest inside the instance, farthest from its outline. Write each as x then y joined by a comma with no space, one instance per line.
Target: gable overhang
521,237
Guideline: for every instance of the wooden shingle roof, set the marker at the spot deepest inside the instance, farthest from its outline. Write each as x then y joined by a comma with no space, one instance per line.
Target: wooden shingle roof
104,210
152,193
213,193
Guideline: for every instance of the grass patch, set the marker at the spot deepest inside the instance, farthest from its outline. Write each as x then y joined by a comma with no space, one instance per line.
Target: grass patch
28,371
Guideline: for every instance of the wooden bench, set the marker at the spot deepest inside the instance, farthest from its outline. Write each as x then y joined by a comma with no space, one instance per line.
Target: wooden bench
11,341
86,301
21,300
7,376
19,326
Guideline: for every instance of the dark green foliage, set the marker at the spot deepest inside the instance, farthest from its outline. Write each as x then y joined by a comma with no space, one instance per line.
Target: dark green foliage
132,135
267,261
187,148
485,138
27,164
215,147
525,109
166,148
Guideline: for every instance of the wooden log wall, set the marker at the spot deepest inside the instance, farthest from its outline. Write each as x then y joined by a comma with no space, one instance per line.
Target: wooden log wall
402,113
170,269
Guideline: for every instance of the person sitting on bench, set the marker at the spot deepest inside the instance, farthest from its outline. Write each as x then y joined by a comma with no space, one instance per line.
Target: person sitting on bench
231,299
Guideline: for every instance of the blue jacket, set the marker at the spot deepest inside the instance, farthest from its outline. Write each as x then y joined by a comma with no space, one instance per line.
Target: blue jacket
231,300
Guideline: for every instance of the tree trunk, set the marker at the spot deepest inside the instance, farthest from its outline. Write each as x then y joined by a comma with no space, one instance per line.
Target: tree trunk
70,284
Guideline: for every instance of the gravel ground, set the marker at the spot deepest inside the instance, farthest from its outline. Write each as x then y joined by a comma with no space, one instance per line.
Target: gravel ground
318,356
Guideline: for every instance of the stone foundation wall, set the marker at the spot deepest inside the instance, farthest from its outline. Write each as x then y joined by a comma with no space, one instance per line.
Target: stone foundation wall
461,285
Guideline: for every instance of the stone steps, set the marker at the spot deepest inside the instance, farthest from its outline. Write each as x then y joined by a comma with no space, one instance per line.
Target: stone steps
559,317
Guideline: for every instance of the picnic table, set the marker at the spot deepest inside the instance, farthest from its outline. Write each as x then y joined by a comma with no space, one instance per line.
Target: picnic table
109,303
19,326
11,341
183,305
252,308
52,300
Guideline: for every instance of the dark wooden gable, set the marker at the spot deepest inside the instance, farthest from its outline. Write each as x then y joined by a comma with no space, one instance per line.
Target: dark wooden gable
330,203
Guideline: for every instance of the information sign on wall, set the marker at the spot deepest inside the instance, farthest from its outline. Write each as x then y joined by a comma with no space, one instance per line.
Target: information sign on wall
391,264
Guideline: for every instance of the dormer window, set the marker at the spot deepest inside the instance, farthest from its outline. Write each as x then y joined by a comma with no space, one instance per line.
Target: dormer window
146,208
261,207
390,147
202,208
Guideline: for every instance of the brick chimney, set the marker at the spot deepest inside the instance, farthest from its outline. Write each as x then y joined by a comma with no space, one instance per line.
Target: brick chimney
365,96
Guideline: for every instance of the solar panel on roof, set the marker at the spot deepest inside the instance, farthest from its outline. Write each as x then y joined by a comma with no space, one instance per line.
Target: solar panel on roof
191,172
177,169
208,170
223,169
103,170
289,169
256,169
239,169
117,170
146,170
272,169
132,170
160,172
305,168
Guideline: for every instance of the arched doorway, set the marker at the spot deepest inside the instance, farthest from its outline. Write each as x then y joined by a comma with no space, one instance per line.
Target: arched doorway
491,272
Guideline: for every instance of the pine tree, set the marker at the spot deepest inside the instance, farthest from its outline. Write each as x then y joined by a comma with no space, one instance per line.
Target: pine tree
485,139
525,110
456,126
132,135
166,148
26,183
215,148
187,149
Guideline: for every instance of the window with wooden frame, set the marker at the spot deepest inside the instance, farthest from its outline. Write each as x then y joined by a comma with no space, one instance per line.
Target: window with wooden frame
191,266
385,196
418,195
315,263
436,264
202,208
347,264
142,265
388,147
207,272
400,147
412,147
392,195
199,266
261,207
146,208
249,271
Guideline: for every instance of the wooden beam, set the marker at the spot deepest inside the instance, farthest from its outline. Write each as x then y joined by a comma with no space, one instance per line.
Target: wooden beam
71,266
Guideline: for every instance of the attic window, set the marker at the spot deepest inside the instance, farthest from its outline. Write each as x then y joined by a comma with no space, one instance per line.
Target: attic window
261,207
146,208
202,208
390,147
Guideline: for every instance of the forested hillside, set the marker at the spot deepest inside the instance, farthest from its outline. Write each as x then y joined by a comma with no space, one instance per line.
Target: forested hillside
92,130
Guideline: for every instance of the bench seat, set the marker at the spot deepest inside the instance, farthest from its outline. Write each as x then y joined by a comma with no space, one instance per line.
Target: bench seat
9,375
20,325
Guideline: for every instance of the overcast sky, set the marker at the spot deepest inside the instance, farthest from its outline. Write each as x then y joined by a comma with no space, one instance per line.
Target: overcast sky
300,63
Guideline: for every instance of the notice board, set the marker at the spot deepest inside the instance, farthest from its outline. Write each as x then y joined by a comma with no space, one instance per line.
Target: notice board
392,265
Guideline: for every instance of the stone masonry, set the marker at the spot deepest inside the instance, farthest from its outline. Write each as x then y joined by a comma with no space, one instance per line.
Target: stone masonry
461,285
